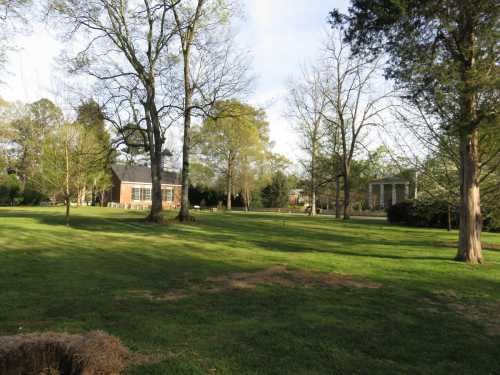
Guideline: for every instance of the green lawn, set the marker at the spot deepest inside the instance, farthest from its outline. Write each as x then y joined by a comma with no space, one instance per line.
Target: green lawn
110,271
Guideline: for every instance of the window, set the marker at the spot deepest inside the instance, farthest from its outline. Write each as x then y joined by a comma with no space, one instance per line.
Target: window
146,194
136,194
141,194
167,195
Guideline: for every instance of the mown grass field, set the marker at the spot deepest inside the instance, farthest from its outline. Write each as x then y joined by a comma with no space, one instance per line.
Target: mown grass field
407,308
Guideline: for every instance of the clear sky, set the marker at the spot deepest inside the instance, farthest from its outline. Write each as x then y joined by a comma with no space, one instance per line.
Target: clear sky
282,35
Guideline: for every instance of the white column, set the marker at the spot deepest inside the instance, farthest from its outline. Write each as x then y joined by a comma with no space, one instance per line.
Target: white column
370,200
407,190
382,200
394,196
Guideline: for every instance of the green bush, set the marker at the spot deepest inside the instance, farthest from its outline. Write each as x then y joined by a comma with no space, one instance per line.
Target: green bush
32,197
433,214
10,189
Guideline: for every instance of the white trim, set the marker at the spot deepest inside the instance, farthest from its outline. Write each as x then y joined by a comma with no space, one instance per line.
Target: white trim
145,183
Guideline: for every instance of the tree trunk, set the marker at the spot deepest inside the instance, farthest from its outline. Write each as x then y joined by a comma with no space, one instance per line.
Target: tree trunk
313,203
229,187
347,197
156,213
155,149
67,178
449,218
337,198
68,204
469,244
184,215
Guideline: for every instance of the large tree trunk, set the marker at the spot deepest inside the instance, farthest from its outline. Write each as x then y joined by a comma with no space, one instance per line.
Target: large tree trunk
155,154
313,203
469,244
186,149
347,197
156,213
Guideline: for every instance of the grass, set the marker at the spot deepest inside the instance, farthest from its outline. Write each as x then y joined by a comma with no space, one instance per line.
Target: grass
431,315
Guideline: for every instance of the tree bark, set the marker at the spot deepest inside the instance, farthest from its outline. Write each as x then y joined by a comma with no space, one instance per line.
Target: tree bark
68,204
155,149
469,244
186,147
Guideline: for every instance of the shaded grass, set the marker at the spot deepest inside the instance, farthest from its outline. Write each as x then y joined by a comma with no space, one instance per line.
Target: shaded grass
80,278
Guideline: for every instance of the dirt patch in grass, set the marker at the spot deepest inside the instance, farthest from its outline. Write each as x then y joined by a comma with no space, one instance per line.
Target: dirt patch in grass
276,275
56,353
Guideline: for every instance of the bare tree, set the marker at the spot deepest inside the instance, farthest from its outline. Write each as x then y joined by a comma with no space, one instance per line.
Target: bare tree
12,19
212,68
306,106
354,105
126,46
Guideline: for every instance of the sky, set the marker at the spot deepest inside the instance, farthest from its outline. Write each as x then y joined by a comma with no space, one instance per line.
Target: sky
282,36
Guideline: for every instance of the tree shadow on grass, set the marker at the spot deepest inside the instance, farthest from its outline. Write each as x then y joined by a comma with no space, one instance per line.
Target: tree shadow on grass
291,330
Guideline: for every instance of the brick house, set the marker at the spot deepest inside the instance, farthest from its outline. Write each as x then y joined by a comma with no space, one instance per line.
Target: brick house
131,186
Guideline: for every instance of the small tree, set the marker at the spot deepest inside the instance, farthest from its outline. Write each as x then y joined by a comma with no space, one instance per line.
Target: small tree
275,195
68,153
10,189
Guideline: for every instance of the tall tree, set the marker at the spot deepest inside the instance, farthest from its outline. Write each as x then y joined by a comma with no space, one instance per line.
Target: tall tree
211,68
354,106
127,49
445,56
28,129
306,106
92,118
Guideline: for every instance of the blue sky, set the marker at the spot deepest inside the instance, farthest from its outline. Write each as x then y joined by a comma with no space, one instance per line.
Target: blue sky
282,35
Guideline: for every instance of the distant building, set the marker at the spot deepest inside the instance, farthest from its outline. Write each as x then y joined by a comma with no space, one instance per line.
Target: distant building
388,191
131,186
297,197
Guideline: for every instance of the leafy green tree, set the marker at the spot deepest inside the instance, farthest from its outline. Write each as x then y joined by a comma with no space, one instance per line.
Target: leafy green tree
91,117
444,55
28,129
10,189
234,141
69,153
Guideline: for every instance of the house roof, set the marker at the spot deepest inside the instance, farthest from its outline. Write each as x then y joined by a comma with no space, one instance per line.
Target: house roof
136,173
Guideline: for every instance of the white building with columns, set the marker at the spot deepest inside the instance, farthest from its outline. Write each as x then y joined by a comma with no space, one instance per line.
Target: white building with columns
388,191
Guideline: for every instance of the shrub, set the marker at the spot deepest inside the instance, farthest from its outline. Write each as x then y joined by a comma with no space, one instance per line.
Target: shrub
32,197
10,189
433,214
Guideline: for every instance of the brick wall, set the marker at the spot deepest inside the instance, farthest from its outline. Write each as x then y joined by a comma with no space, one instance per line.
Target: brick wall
126,195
